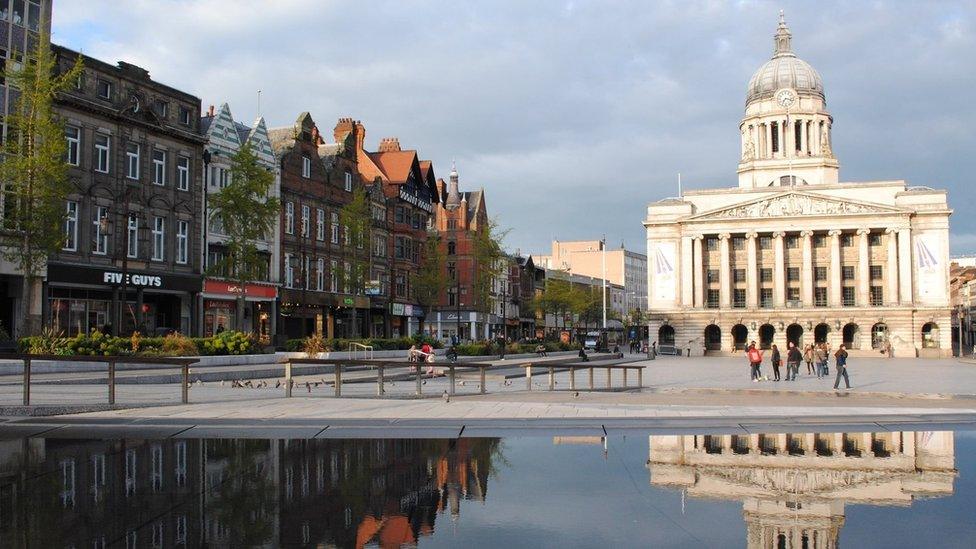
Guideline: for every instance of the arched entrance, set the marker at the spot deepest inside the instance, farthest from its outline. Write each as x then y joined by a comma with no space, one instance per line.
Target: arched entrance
852,336
739,336
665,336
713,338
794,334
766,332
879,335
930,335
821,332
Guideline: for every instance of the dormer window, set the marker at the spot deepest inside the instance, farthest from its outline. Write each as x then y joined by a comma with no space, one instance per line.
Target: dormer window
161,107
104,89
184,116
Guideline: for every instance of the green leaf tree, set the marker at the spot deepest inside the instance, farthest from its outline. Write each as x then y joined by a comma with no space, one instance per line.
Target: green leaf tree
248,214
486,250
431,278
357,223
35,170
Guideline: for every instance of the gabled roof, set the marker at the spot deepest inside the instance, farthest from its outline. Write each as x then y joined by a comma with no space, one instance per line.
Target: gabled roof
396,166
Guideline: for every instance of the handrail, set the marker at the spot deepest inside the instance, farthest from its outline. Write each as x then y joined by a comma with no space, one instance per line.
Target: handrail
111,361
367,349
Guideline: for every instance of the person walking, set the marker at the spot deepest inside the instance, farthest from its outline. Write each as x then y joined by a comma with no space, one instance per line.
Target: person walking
754,356
808,358
827,350
820,357
775,360
841,364
793,359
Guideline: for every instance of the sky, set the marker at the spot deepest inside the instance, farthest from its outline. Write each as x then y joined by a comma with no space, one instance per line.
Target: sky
572,115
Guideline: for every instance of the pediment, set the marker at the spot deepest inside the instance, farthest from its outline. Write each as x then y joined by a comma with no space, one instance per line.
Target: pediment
795,204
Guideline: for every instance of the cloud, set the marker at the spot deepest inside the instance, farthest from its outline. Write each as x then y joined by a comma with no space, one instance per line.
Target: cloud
572,115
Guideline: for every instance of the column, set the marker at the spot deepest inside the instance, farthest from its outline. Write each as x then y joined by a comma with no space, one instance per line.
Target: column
724,279
806,280
815,136
804,127
891,268
790,137
863,268
699,282
779,270
905,266
833,291
752,272
769,140
687,280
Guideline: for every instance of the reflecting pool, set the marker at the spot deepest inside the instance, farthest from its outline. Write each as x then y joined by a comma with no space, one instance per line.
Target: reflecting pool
817,490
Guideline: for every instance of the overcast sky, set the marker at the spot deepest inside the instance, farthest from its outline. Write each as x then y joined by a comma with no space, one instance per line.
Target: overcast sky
572,115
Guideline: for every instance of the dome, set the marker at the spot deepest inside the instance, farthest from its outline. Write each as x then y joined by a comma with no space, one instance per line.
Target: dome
784,70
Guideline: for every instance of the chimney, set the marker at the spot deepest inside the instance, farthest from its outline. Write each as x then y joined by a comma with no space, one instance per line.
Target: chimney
389,144
342,128
210,111
316,138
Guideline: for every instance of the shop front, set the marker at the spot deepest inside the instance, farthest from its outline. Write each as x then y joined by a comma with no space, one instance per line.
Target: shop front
220,301
303,313
351,317
81,299
405,319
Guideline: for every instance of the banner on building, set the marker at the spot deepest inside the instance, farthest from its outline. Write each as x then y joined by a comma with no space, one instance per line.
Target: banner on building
930,268
664,275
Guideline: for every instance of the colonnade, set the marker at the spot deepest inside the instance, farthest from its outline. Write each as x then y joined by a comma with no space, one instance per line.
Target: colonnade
814,137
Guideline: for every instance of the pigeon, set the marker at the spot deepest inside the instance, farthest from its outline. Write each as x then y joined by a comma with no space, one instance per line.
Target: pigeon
308,386
249,384
462,383
424,382
576,394
221,383
277,384
446,397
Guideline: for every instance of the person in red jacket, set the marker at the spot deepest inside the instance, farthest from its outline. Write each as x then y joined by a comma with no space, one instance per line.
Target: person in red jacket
755,359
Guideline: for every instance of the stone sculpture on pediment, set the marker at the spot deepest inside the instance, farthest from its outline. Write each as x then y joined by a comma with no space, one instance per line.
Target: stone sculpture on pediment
792,205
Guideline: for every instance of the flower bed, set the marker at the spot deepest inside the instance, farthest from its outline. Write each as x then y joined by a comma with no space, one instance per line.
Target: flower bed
96,343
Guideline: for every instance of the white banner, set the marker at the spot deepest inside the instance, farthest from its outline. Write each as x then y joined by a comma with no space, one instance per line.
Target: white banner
664,274
930,268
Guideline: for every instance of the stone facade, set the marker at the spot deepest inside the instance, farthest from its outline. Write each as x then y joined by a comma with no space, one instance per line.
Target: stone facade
792,254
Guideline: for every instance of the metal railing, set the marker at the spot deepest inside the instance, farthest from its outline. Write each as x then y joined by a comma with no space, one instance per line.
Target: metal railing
355,347
111,362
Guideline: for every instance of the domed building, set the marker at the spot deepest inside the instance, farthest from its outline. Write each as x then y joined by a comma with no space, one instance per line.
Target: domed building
793,254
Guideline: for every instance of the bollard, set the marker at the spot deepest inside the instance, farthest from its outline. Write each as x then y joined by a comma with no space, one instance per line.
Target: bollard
640,377
186,383
419,390
591,378
27,376
482,379
338,379
625,378
111,383
450,377
572,378
552,378
609,378
380,390
288,379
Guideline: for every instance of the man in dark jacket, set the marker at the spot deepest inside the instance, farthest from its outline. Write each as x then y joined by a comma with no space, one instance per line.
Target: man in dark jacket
793,359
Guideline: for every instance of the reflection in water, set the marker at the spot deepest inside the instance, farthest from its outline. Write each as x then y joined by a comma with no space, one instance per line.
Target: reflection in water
794,487
234,493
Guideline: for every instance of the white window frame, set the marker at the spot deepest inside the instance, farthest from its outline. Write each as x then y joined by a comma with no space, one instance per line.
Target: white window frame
159,239
320,224
289,272
103,153
348,182
306,214
133,237
334,276
320,274
132,160
289,218
306,167
183,173
70,226
182,241
335,228
74,144
159,167
101,239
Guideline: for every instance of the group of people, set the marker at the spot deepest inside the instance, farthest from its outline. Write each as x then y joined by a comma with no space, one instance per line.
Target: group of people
815,356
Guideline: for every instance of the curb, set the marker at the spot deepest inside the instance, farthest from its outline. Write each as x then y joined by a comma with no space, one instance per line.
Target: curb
831,392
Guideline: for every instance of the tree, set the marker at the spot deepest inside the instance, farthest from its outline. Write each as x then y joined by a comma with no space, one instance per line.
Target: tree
247,214
357,223
431,278
486,250
34,169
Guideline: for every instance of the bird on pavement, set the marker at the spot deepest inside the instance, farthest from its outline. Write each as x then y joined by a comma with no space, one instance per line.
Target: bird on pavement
277,384
221,383
576,394
446,397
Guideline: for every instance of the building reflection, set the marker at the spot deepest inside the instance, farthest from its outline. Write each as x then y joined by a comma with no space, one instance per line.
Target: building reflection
235,493
794,487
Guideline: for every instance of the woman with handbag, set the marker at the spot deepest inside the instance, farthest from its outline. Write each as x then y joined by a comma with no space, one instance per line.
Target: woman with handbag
775,360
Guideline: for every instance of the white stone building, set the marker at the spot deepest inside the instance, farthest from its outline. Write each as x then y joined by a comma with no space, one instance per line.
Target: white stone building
793,253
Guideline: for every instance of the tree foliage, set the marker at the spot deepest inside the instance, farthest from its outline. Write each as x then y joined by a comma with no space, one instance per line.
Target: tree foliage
357,222
486,250
34,168
247,214
431,279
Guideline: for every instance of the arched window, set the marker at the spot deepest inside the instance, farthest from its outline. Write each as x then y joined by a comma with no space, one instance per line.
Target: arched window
930,336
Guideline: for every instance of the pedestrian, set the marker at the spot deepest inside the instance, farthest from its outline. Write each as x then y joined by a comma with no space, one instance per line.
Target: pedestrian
427,355
808,358
654,348
412,354
582,355
793,359
754,356
820,357
775,360
840,363
827,359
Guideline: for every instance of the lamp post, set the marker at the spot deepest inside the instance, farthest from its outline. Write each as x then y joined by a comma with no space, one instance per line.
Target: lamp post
104,226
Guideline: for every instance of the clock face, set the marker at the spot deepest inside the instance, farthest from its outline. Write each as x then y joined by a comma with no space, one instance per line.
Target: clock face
786,97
